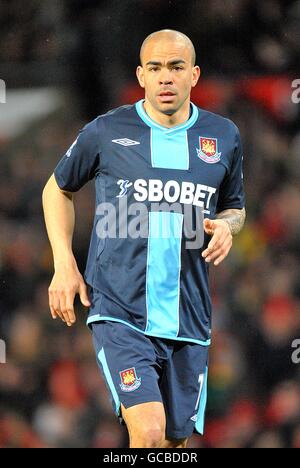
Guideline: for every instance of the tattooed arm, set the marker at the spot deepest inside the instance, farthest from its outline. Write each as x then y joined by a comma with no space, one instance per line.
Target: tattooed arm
234,218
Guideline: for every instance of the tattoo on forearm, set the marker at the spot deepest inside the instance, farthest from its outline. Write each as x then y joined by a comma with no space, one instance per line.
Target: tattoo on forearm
234,218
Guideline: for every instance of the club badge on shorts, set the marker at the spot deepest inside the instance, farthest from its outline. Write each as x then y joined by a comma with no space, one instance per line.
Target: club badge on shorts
129,380
208,151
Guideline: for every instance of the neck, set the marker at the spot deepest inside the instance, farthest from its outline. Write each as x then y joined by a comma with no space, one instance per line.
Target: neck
179,117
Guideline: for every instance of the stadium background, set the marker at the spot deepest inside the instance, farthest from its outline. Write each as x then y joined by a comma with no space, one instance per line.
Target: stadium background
64,62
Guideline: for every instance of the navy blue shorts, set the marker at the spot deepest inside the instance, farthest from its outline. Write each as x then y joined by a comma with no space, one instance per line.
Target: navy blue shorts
140,369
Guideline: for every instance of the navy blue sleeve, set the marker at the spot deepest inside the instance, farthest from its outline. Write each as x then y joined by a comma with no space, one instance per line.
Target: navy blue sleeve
231,193
81,162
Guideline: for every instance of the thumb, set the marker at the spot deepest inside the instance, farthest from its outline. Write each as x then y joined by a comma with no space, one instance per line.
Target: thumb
84,295
208,226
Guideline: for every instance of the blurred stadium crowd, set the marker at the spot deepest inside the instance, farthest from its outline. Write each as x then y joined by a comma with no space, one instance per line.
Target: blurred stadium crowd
51,394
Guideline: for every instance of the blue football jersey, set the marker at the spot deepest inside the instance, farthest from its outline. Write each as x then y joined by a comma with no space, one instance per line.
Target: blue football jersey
148,177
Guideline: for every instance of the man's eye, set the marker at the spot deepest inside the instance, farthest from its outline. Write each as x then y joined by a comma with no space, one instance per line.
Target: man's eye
177,68
153,69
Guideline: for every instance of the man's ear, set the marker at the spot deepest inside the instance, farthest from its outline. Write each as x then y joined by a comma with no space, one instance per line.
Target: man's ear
140,76
196,75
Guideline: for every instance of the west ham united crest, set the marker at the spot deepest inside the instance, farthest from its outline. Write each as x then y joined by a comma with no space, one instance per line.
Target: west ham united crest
208,151
129,380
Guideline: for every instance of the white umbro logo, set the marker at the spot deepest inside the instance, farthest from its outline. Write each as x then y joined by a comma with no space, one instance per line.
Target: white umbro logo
126,142
194,418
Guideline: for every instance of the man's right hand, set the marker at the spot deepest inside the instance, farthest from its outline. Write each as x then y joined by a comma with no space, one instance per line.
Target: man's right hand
66,283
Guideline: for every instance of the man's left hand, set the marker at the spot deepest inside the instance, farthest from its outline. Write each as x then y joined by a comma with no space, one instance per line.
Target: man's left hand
220,243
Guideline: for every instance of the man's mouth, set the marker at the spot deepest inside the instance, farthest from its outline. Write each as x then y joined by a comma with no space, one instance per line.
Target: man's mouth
166,96
166,93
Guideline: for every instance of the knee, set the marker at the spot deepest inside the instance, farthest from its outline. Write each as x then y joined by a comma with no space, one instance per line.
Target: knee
149,437
176,443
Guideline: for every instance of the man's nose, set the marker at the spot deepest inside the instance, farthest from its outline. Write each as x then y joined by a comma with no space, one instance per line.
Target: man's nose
166,82
165,77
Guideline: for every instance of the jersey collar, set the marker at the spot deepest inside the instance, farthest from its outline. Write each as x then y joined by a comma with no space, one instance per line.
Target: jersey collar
151,123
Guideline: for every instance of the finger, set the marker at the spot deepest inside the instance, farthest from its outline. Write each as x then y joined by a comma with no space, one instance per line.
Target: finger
56,305
215,243
208,226
70,306
54,315
84,295
63,308
220,259
224,242
212,256
219,255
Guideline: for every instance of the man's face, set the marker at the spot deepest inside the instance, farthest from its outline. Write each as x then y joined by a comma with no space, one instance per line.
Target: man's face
167,74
